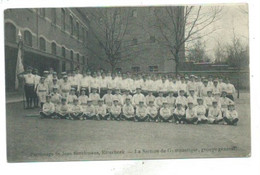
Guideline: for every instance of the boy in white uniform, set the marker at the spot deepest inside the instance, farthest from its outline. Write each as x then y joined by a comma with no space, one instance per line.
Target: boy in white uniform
65,86
224,101
231,117
48,109
118,97
126,95
208,101
71,97
191,114
42,91
115,112
165,113
55,97
89,110
149,97
171,100
76,111
138,97
152,112
83,98
141,112
179,113
215,114
101,110
230,88
94,96
182,99
201,111
192,97
128,110
108,99
159,100
63,109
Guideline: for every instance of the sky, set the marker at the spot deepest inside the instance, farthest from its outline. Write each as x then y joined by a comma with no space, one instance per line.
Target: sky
232,20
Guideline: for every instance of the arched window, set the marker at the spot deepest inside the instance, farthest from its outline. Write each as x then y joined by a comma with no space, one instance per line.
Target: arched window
42,12
63,21
71,55
83,35
77,30
10,32
42,44
28,38
71,25
83,60
53,15
77,57
63,52
53,48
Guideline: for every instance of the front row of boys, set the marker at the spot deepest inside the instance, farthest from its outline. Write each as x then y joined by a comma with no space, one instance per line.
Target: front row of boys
73,110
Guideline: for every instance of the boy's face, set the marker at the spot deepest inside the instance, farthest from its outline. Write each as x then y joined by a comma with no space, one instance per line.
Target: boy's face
150,104
179,106
181,93
215,105
171,94
83,92
100,103
138,91
161,94
224,94
209,94
127,101
55,90
205,83
150,93
94,91
115,103
63,102
109,91
73,92
200,102
42,80
230,107
75,102
117,92
190,105
192,93
48,99
217,96
141,104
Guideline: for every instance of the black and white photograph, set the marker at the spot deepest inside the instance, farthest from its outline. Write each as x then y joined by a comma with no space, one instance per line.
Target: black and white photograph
127,82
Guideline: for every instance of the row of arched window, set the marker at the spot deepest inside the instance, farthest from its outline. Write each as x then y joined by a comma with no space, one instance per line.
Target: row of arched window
10,35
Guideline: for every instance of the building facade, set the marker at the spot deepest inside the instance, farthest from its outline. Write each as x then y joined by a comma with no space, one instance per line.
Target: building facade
146,53
52,37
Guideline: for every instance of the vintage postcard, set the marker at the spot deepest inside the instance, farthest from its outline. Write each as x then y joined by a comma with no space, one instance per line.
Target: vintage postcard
139,82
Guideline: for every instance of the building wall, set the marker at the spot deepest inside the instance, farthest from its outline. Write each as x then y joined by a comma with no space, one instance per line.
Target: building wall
52,31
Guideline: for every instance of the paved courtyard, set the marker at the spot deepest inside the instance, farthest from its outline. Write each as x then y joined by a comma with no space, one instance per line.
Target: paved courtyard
32,139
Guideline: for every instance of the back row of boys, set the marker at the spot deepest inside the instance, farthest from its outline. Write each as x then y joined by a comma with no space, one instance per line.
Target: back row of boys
154,83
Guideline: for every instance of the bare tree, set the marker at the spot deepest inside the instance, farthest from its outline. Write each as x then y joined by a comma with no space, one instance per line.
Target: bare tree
109,27
179,25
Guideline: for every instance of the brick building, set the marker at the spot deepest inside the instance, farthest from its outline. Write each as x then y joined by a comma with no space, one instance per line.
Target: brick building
52,38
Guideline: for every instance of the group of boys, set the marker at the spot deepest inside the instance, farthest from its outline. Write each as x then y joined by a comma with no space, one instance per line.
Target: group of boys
160,98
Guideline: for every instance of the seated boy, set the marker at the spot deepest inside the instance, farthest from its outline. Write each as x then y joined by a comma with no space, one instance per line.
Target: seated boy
165,113
48,109
88,110
192,97
101,110
152,112
118,96
141,112
201,111
126,95
231,115
171,100
76,110
115,113
224,101
63,109
191,114
128,110
138,97
179,113
215,114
